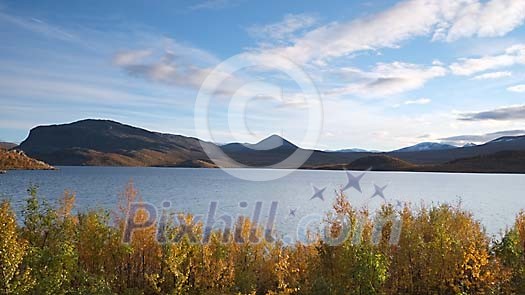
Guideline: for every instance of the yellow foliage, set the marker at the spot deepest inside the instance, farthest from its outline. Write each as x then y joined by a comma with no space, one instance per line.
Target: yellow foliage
15,276
441,250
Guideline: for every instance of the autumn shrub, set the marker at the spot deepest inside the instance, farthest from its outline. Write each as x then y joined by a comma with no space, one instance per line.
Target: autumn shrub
510,252
439,249
15,274
442,249
349,261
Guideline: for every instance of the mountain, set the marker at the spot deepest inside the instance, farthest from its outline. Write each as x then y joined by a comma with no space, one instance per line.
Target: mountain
507,143
7,145
109,143
500,162
508,139
273,142
275,149
267,152
352,150
470,144
426,146
500,155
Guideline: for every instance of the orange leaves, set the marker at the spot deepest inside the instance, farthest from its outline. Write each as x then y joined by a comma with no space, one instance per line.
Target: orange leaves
439,250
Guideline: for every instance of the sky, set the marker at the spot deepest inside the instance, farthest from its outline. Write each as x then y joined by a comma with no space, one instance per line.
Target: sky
331,75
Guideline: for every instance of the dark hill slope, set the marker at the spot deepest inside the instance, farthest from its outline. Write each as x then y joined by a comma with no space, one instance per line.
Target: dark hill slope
380,163
515,143
500,162
373,163
104,142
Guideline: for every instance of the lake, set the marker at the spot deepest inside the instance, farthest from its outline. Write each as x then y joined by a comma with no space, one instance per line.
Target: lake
494,199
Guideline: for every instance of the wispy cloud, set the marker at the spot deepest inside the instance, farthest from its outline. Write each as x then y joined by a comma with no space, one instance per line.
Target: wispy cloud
387,79
186,67
517,88
283,30
483,138
444,20
125,58
493,75
41,27
500,114
172,63
511,56
165,70
420,101
492,18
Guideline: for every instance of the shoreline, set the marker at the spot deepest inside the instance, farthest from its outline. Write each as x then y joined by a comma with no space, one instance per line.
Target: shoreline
56,168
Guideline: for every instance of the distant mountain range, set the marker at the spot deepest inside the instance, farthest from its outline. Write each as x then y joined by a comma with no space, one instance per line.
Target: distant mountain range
353,150
426,146
469,144
109,143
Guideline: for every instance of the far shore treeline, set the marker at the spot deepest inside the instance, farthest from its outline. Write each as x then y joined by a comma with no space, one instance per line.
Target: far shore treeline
440,250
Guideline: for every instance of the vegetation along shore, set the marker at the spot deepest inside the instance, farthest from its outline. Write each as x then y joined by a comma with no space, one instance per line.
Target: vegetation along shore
441,250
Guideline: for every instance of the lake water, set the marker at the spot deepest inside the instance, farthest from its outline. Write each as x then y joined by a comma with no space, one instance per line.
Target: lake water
493,198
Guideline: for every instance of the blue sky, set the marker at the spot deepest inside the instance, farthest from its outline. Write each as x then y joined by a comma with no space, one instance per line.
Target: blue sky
388,73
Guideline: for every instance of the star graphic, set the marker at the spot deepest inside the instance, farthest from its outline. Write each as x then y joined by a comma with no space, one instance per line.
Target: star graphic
318,193
379,192
292,212
399,204
353,181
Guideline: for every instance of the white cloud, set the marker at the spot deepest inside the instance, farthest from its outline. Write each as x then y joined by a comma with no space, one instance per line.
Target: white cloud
125,58
186,67
418,101
483,19
446,20
387,79
492,75
285,29
469,66
460,140
517,88
437,63
174,64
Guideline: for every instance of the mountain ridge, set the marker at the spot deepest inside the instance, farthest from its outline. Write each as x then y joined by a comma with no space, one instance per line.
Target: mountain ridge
425,146
110,143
